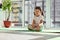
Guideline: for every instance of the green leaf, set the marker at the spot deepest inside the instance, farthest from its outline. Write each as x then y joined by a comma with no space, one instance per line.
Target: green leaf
6,4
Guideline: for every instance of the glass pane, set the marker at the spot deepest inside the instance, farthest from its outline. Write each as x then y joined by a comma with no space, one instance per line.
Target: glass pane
55,14
29,10
16,16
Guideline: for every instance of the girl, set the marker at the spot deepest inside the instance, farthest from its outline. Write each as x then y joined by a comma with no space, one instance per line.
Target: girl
37,20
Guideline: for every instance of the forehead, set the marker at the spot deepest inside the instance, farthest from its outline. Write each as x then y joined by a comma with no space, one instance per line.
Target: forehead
37,10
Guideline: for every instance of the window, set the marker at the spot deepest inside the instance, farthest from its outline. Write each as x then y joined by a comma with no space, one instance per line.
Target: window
55,13
29,9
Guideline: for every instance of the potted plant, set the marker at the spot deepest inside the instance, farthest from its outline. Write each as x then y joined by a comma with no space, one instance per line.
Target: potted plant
6,5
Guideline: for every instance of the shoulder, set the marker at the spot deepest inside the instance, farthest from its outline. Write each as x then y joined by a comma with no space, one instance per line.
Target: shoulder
42,16
34,17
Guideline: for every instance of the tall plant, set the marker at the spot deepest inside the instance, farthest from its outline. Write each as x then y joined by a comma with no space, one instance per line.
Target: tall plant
6,5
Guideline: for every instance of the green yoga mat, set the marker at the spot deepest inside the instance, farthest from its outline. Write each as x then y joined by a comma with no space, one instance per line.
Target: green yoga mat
36,30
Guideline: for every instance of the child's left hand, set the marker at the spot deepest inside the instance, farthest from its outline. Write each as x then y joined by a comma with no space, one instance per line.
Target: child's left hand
41,21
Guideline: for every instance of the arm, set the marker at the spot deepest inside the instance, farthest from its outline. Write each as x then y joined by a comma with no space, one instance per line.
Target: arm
33,23
42,19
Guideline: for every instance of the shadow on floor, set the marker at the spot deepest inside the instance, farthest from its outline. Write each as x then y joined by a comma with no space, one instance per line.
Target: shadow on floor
45,36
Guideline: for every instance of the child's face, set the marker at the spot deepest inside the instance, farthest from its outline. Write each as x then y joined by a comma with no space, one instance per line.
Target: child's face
37,12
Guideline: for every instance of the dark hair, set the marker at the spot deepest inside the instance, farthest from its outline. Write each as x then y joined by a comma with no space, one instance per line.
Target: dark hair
0,5
39,9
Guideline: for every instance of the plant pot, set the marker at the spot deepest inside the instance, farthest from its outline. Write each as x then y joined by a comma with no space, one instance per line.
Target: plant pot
7,24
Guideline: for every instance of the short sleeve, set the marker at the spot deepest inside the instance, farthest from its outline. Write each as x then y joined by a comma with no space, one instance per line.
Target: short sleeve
34,18
42,17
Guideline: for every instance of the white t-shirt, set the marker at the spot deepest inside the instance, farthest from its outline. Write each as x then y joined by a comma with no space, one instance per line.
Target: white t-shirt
37,19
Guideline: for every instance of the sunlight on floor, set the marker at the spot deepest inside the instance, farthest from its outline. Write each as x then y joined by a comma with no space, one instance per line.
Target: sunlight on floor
57,38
